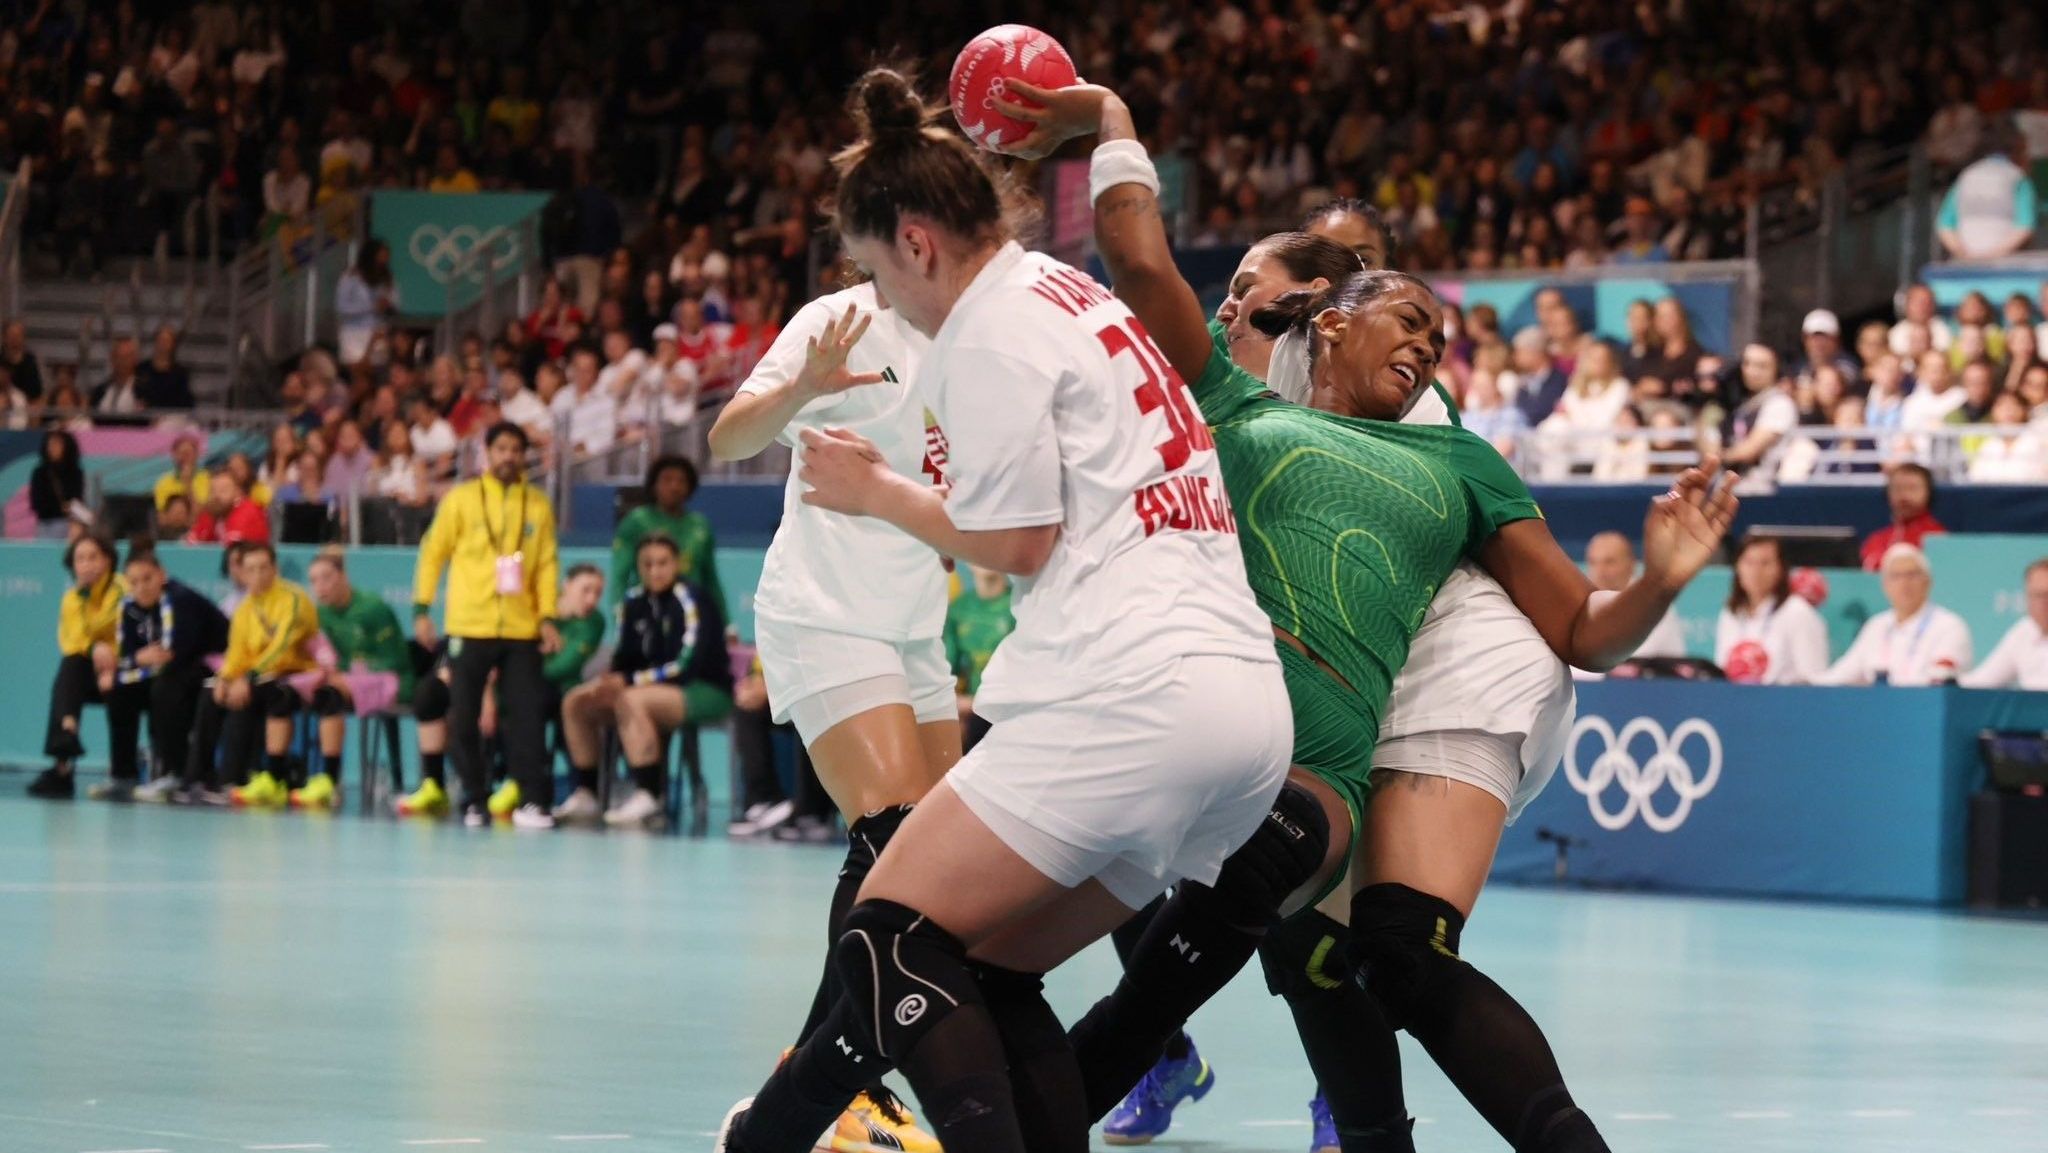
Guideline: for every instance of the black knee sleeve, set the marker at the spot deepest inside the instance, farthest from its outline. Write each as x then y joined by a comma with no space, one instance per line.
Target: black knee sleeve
277,700
1305,955
1403,944
903,974
430,701
328,702
868,836
1282,855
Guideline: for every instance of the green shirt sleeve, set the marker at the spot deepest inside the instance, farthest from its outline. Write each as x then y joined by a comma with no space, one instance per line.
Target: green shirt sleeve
1499,495
1224,390
581,637
625,543
704,565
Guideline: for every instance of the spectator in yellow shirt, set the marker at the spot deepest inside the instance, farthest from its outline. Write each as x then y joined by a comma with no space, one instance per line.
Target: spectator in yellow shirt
186,478
86,621
270,637
449,173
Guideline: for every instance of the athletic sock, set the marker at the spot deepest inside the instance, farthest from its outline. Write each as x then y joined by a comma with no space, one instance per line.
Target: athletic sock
1126,937
1189,953
809,1091
1353,1051
653,778
434,767
585,779
961,1076
278,765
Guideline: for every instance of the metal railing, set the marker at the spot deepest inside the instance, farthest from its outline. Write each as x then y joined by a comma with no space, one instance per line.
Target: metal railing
497,280
12,213
280,291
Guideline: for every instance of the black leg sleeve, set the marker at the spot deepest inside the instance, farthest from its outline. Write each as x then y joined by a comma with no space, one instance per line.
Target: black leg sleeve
753,739
174,697
522,722
206,734
74,688
469,669
124,727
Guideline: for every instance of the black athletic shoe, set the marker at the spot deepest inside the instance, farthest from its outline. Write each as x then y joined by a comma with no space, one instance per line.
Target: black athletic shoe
53,785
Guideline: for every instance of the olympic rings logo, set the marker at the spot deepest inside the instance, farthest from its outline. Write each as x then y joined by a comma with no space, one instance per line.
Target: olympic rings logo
1642,781
440,250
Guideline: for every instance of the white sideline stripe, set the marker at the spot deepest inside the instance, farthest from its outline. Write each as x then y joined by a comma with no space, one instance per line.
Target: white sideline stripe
444,1141
1880,1114
1644,1117
1759,1115
127,1151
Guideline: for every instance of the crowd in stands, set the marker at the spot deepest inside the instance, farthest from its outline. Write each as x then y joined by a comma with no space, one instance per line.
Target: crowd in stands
1841,404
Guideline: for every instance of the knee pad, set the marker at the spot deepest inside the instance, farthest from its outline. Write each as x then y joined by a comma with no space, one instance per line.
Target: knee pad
1404,945
430,701
277,700
1305,956
868,836
903,974
328,701
1282,855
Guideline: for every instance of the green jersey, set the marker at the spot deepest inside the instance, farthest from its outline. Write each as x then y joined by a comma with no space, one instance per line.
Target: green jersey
365,631
692,534
974,627
581,637
1349,526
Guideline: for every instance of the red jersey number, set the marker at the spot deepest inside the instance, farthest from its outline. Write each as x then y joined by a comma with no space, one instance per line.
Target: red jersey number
1163,390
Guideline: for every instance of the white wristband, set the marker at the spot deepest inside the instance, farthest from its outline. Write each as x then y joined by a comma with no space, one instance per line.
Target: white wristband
1120,162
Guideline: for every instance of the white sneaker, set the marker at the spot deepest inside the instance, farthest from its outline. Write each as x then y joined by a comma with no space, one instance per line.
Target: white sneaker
580,809
777,814
159,791
732,1117
640,811
532,818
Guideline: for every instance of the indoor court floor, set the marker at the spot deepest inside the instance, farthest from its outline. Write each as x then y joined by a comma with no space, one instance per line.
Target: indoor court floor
197,982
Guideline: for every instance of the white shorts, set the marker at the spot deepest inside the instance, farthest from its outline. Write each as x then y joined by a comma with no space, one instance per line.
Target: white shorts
1489,761
1141,785
817,677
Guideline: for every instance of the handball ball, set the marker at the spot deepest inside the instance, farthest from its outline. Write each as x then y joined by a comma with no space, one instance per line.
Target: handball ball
990,60
1810,585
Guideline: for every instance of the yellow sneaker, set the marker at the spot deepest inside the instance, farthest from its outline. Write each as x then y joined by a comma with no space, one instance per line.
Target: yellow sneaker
318,793
867,1127
262,792
429,800
504,800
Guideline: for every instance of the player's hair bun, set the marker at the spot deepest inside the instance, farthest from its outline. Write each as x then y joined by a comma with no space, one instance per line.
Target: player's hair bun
1291,310
886,103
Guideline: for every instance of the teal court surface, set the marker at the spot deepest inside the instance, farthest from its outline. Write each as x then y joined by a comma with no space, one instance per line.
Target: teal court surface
201,982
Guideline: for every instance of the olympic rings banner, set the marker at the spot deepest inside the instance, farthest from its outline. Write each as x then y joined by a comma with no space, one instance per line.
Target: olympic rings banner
429,232
1857,794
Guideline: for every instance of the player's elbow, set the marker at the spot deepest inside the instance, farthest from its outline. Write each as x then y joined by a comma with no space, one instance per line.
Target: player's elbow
1023,552
724,439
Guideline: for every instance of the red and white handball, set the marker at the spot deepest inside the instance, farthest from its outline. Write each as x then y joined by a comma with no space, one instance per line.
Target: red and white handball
1001,54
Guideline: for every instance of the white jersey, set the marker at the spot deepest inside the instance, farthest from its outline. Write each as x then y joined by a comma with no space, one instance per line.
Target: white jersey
853,574
1931,646
1781,644
1477,663
2019,661
1059,410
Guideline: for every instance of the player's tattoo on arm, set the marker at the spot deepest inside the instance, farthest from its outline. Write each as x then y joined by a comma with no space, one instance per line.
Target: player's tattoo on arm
1139,204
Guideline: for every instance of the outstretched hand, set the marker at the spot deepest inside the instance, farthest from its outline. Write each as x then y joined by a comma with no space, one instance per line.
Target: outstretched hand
1056,115
1685,527
825,372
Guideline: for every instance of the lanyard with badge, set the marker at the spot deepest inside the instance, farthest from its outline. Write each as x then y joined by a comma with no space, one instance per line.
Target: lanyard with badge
511,567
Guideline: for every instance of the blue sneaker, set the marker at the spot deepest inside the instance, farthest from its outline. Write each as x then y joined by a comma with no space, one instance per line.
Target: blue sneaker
1325,1140
1148,1111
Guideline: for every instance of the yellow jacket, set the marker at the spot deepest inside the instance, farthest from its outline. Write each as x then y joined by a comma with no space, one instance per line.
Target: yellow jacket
479,522
272,634
168,485
88,619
